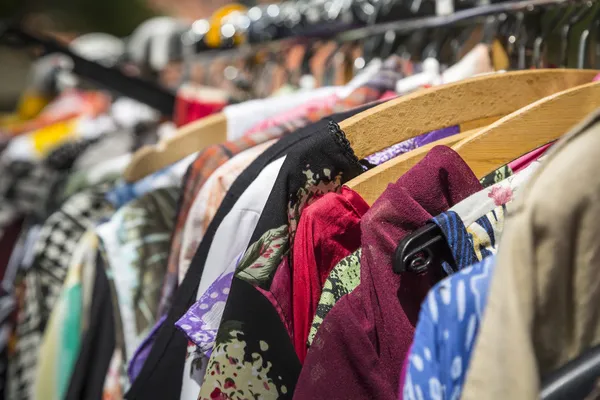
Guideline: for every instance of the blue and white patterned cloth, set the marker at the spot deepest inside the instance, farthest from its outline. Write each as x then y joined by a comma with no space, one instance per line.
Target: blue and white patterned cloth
170,176
445,336
451,313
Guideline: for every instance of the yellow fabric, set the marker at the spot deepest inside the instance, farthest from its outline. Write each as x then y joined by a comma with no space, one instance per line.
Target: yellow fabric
31,105
47,138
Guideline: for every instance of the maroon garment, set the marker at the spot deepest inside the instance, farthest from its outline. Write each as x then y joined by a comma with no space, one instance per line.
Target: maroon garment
359,349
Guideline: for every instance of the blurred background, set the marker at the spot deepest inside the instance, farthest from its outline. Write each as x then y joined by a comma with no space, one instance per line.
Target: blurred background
68,19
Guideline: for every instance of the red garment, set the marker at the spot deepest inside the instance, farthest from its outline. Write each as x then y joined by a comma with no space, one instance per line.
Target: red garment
328,231
359,350
195,102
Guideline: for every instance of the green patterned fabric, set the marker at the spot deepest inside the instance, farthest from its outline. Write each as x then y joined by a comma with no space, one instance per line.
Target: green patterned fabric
497,176
135,246
342,279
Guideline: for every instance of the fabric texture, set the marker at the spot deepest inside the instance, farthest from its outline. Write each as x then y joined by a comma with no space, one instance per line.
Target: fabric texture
41,284
105,172
497,176
373,325
299,111
34,188
451,313
308,175
316,167
247,118
162,373
62,337
135,244
503,192
207,161
342,279
222,258
345,276
544,288
523,161
112,144
171,176
209,199
445,335
327,231
98,341
411,144
201,322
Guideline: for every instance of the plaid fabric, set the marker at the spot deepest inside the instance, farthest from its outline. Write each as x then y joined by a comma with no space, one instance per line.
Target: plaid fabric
33,189
42,282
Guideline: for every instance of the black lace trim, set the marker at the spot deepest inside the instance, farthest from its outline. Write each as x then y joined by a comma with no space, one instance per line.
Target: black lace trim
340,138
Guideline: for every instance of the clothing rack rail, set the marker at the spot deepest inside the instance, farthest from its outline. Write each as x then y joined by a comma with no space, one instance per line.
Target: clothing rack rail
108,77
443,20
348,31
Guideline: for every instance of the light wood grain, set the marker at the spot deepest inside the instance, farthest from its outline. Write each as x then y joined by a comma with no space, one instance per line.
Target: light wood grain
188,139
371,184
453,104
527,129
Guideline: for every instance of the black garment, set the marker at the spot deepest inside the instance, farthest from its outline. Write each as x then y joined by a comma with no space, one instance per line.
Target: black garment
162,373
98,343
252,333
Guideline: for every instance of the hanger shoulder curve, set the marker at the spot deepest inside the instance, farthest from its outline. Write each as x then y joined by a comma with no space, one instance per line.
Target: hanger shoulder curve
371,184
187,140
528,128
452,104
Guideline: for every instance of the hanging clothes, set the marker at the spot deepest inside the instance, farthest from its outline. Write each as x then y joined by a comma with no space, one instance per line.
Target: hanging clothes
371,317
135,243
560,324
171,377
345,276
43,281
207,161
98,342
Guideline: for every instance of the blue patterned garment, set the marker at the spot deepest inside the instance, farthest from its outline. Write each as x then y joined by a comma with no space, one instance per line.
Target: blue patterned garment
170,176
451,313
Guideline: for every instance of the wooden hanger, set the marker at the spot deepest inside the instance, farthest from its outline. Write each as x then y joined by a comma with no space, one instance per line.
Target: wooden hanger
382,175
453,104
518,133
471,104
187,140
527,129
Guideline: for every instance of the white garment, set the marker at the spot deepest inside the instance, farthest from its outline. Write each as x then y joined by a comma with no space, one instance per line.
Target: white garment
243,116
231,239
479,204
209,199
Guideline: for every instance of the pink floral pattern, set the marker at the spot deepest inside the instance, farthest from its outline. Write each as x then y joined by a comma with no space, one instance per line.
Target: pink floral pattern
501,194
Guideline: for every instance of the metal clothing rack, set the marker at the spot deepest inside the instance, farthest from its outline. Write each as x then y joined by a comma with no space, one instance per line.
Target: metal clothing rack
350,30
444,20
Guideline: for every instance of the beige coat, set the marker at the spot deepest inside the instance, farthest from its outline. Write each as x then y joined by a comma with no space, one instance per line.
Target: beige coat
544,302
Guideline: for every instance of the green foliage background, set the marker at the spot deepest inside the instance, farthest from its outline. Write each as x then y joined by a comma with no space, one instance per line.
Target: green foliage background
117,17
